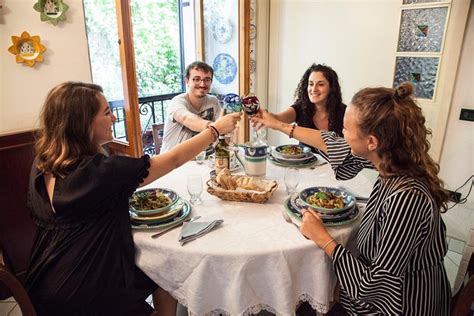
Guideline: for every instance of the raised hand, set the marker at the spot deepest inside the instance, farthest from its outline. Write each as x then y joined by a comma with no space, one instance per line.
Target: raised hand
227,123
264,118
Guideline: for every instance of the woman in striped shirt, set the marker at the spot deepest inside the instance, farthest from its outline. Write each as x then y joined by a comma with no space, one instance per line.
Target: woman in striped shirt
402,237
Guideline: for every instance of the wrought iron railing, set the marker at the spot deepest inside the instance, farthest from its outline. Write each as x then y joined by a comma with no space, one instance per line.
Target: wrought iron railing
151,109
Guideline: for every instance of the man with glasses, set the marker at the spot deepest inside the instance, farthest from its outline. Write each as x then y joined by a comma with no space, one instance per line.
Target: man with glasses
189,113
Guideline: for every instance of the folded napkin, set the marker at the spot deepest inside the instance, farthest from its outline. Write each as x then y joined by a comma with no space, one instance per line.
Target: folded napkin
194,230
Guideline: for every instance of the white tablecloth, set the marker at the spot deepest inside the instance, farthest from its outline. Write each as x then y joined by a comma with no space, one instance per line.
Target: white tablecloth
254,260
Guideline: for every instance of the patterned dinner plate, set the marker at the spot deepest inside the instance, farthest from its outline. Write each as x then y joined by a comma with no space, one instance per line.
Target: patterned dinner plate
298,160
158,218
298,205
179,218
307,164
296,215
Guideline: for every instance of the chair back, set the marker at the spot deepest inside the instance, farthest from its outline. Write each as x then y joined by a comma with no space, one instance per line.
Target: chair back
17,229
158,136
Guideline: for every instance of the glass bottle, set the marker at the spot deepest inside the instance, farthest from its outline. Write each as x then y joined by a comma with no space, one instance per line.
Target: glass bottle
222,155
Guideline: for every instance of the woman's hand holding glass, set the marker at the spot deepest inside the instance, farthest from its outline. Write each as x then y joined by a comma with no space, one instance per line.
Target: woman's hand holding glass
264,119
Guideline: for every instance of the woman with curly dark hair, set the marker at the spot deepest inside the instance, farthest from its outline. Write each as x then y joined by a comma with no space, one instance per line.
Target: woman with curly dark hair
402,237
318,101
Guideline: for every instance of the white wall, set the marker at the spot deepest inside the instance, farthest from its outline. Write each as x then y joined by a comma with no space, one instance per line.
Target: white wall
22,88
457,158
356,38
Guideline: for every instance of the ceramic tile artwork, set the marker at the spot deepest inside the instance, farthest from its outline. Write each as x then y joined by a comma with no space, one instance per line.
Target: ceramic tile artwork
422,30
421,71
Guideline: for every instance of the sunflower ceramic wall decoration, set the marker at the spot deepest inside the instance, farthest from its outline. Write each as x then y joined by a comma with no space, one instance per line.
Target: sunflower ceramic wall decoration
27,49
51,10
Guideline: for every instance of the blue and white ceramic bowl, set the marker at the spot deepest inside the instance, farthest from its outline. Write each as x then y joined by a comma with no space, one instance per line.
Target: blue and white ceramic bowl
349,200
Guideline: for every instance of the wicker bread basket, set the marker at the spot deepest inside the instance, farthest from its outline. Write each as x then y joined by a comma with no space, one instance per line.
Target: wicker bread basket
241,195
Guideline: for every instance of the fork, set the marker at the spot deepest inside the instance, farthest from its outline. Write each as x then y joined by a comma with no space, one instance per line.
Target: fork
288,219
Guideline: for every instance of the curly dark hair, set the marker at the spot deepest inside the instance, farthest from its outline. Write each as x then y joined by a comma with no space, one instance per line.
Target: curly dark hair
393,116
334,105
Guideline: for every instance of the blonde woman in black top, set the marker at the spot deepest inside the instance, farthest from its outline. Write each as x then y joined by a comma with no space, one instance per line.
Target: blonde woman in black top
402,237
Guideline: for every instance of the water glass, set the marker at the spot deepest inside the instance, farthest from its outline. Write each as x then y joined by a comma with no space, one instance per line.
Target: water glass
201,157
194,186
292,179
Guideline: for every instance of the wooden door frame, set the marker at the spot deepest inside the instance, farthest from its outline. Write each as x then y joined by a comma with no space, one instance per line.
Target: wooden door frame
133,147
244,53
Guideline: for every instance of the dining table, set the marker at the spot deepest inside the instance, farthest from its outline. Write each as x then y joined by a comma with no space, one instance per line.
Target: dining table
255,260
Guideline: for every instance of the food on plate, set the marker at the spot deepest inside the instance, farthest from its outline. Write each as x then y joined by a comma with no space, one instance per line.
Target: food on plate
326,200
291,150
149,200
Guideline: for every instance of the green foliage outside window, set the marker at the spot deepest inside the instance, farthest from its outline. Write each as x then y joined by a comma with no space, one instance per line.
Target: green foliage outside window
156,43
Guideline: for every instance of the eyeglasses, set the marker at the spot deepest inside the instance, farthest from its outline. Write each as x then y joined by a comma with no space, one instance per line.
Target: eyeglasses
197,80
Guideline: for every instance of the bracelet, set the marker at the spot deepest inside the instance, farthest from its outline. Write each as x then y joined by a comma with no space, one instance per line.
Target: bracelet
292,130
327,244
214,133
215,130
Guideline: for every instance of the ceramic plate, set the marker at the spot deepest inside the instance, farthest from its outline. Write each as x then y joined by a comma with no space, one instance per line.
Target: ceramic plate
179,218
292,151
297,204
282,159
173,196
296,215
225,68
307,164
222,30
348,199
154,218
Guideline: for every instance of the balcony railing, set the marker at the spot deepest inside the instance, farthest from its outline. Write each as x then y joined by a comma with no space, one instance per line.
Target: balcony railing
151,109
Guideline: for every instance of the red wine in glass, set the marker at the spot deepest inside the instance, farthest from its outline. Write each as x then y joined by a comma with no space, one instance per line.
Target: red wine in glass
251,106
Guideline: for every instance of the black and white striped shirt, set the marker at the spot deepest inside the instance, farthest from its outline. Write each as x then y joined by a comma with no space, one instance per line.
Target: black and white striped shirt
402,243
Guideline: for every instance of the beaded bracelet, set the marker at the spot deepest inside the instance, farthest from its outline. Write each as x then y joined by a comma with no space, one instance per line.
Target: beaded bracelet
327,244
292,130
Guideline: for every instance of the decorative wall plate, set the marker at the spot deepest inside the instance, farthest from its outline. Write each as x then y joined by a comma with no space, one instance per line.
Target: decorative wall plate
225,68
27,49
222,30
51,10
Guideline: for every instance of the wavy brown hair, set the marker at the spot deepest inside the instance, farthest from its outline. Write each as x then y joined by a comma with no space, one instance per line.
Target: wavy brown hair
393,116
66,126
334,104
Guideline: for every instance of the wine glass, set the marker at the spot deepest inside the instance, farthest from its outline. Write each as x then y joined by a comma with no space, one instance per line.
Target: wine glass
194,185
231,103
251,106
292,179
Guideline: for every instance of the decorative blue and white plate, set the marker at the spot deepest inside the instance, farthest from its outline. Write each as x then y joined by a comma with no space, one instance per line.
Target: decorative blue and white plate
301,164
222,30
295,214
225,68
150,194
179,218
348,199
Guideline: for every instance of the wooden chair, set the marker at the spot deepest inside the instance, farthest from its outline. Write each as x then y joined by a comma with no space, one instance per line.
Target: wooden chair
158,136
16,289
